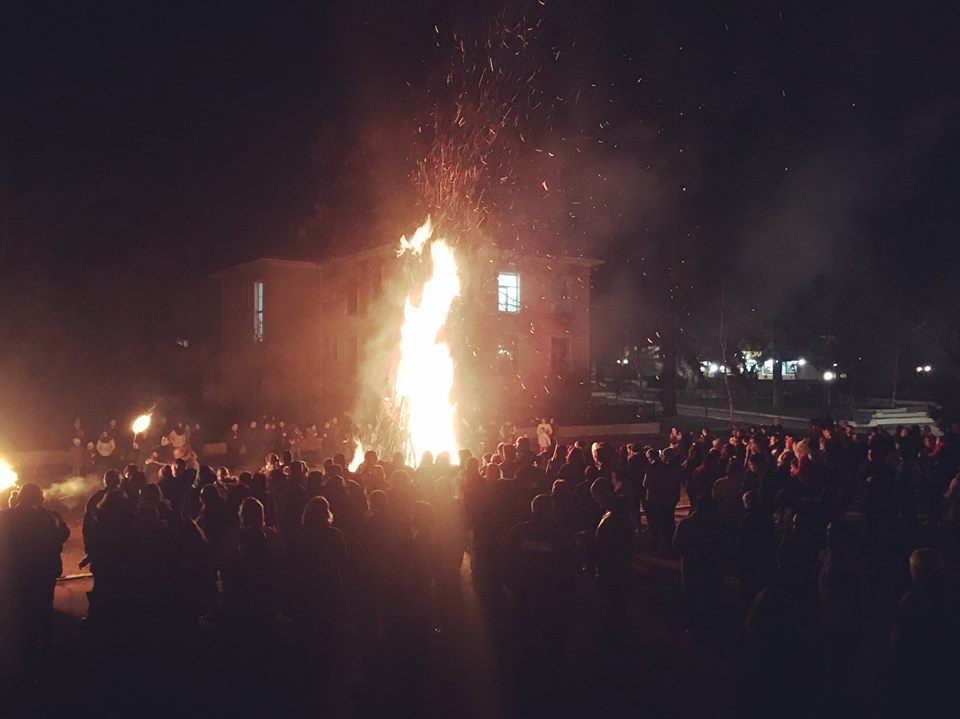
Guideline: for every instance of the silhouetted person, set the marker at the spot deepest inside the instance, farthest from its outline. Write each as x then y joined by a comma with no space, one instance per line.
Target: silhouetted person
756,547
925,639
316,557
661,487
698,541
31,539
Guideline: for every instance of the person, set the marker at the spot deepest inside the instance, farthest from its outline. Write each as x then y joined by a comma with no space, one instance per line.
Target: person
316,557
697,541
925,638
842,607
703,477
728,495
251,589
756,547
111,482
661,492
234,445
544,435
106,447
31,542
540,563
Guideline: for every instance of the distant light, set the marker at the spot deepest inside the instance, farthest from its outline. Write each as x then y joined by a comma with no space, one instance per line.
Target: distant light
768,364
919,369
723,369
829,376
714,368
626,361
834,364
927,368
801,361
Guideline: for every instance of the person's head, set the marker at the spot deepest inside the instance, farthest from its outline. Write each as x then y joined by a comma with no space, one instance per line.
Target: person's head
377,502
210,498
104,436
734,467
205,475
370,458
602,492
652,455
714,457
398,459
751,500
426,459
492,472
31,496
463,456
111,479
234,426
287,457
340,459
271,460
575,457
471,467
541,508
317,513
561,489
559,452
112,424
251,513
926,566
179,466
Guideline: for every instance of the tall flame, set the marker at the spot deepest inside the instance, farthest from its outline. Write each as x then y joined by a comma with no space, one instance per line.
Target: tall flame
357,460
8,477
425,373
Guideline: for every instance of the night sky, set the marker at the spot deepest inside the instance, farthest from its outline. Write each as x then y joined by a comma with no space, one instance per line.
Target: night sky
801,154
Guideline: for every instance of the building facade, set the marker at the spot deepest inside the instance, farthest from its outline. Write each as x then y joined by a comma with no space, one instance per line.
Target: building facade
311,340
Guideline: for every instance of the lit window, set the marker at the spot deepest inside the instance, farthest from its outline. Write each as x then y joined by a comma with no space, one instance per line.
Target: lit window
508,292
258,311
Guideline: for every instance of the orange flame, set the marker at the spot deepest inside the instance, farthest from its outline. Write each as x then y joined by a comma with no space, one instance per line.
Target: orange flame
425,373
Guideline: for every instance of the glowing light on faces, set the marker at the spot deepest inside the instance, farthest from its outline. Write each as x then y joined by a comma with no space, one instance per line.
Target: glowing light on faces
141,424
8,478
425,373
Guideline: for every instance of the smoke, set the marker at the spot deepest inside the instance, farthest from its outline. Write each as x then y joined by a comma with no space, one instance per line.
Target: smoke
72,492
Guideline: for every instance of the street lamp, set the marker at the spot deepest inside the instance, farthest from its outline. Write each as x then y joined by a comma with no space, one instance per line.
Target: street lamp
829,376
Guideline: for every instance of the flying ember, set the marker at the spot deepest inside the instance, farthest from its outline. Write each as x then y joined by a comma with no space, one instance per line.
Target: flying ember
425,374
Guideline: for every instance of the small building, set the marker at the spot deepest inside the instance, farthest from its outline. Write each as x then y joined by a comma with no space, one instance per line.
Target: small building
312,339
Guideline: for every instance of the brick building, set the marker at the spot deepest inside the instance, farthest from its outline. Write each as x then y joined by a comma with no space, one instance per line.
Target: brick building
309,339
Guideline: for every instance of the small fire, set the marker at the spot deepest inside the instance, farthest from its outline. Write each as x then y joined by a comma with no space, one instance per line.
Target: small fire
357,457
141,424
8,477
425,373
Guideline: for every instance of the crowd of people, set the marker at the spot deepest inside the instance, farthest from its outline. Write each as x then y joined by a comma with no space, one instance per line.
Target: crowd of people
381,548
